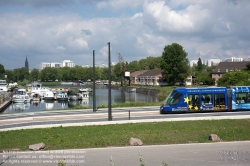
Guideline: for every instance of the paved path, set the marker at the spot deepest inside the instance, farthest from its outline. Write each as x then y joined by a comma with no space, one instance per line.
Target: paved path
88,117
205,154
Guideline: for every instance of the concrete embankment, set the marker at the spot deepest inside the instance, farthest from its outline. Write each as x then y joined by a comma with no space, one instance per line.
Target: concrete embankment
5,100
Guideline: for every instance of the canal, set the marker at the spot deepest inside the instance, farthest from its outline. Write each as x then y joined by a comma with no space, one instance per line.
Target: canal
117,96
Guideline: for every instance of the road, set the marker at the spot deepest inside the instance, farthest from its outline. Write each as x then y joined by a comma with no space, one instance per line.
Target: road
205,154
45,119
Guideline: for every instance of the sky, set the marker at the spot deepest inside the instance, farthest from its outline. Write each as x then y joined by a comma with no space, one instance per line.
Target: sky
57,30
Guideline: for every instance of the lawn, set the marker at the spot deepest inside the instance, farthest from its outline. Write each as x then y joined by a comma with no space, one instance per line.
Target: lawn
119,134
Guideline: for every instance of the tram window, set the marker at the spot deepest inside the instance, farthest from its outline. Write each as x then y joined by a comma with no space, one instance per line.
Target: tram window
219,99
206,98
248,98
241,98
173,98
193,99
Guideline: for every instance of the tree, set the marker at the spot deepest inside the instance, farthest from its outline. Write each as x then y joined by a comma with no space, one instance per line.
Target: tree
235,78
133,66
248,66
20,74
199,66
49,74
34,75
175,64
2,71
10,75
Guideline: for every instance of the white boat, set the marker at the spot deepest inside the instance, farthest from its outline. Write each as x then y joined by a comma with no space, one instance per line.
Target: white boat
35,96
133,90
12,85
20,96
83,90
3,86
49,95
39,89
73,97
74,94
61,96
18,99
84,96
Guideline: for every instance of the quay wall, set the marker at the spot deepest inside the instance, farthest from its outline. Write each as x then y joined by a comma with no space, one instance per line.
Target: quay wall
5,100
138,90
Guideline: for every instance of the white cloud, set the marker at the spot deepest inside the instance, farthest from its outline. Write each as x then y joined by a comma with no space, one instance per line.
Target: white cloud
203,28
60,48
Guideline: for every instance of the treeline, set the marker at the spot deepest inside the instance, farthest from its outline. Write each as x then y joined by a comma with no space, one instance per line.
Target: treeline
77,72
173,62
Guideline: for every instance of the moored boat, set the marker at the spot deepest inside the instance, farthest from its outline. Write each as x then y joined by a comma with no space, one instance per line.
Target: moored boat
35,96
61,96
20,96
49,95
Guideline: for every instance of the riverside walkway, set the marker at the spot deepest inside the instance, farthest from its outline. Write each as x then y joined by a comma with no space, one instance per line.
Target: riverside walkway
56,118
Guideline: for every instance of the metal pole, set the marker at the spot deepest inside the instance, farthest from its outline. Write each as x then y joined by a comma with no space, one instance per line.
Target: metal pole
109,95
94,99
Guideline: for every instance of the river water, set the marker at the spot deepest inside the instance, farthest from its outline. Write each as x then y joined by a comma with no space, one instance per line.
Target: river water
117,96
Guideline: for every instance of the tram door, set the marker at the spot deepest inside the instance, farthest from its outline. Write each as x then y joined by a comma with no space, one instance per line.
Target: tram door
219,102
194,102
207,102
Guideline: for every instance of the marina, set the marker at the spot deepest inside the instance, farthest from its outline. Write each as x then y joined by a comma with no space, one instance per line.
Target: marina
63,102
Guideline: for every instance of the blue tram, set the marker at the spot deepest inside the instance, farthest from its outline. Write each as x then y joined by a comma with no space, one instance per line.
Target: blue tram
233,98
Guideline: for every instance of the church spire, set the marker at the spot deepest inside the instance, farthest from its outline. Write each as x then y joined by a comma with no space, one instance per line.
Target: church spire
27,63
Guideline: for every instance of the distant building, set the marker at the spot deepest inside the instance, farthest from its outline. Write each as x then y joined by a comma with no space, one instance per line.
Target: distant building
68,63
213,62
193,63
64,63
234,59
27,64
148,77
224,67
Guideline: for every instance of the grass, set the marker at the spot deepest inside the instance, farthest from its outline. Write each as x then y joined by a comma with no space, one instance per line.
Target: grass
119,134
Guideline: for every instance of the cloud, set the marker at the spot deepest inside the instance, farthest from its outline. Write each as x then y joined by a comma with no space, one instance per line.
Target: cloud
60,48
136,29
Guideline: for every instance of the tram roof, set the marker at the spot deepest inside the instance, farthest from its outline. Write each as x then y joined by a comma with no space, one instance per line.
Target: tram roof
203,88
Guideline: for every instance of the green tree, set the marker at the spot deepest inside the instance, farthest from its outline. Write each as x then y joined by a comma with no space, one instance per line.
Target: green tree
34,75
88,73
248,66
49,74
239,78
20,74
133,66
105,73
10,75
175,63
116,72
199,66
65,72
2,71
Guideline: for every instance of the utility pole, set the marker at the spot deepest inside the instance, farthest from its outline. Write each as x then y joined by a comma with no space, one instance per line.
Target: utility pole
94,99
109,95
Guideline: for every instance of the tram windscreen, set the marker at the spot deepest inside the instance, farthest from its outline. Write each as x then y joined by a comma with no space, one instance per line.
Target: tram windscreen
173,98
